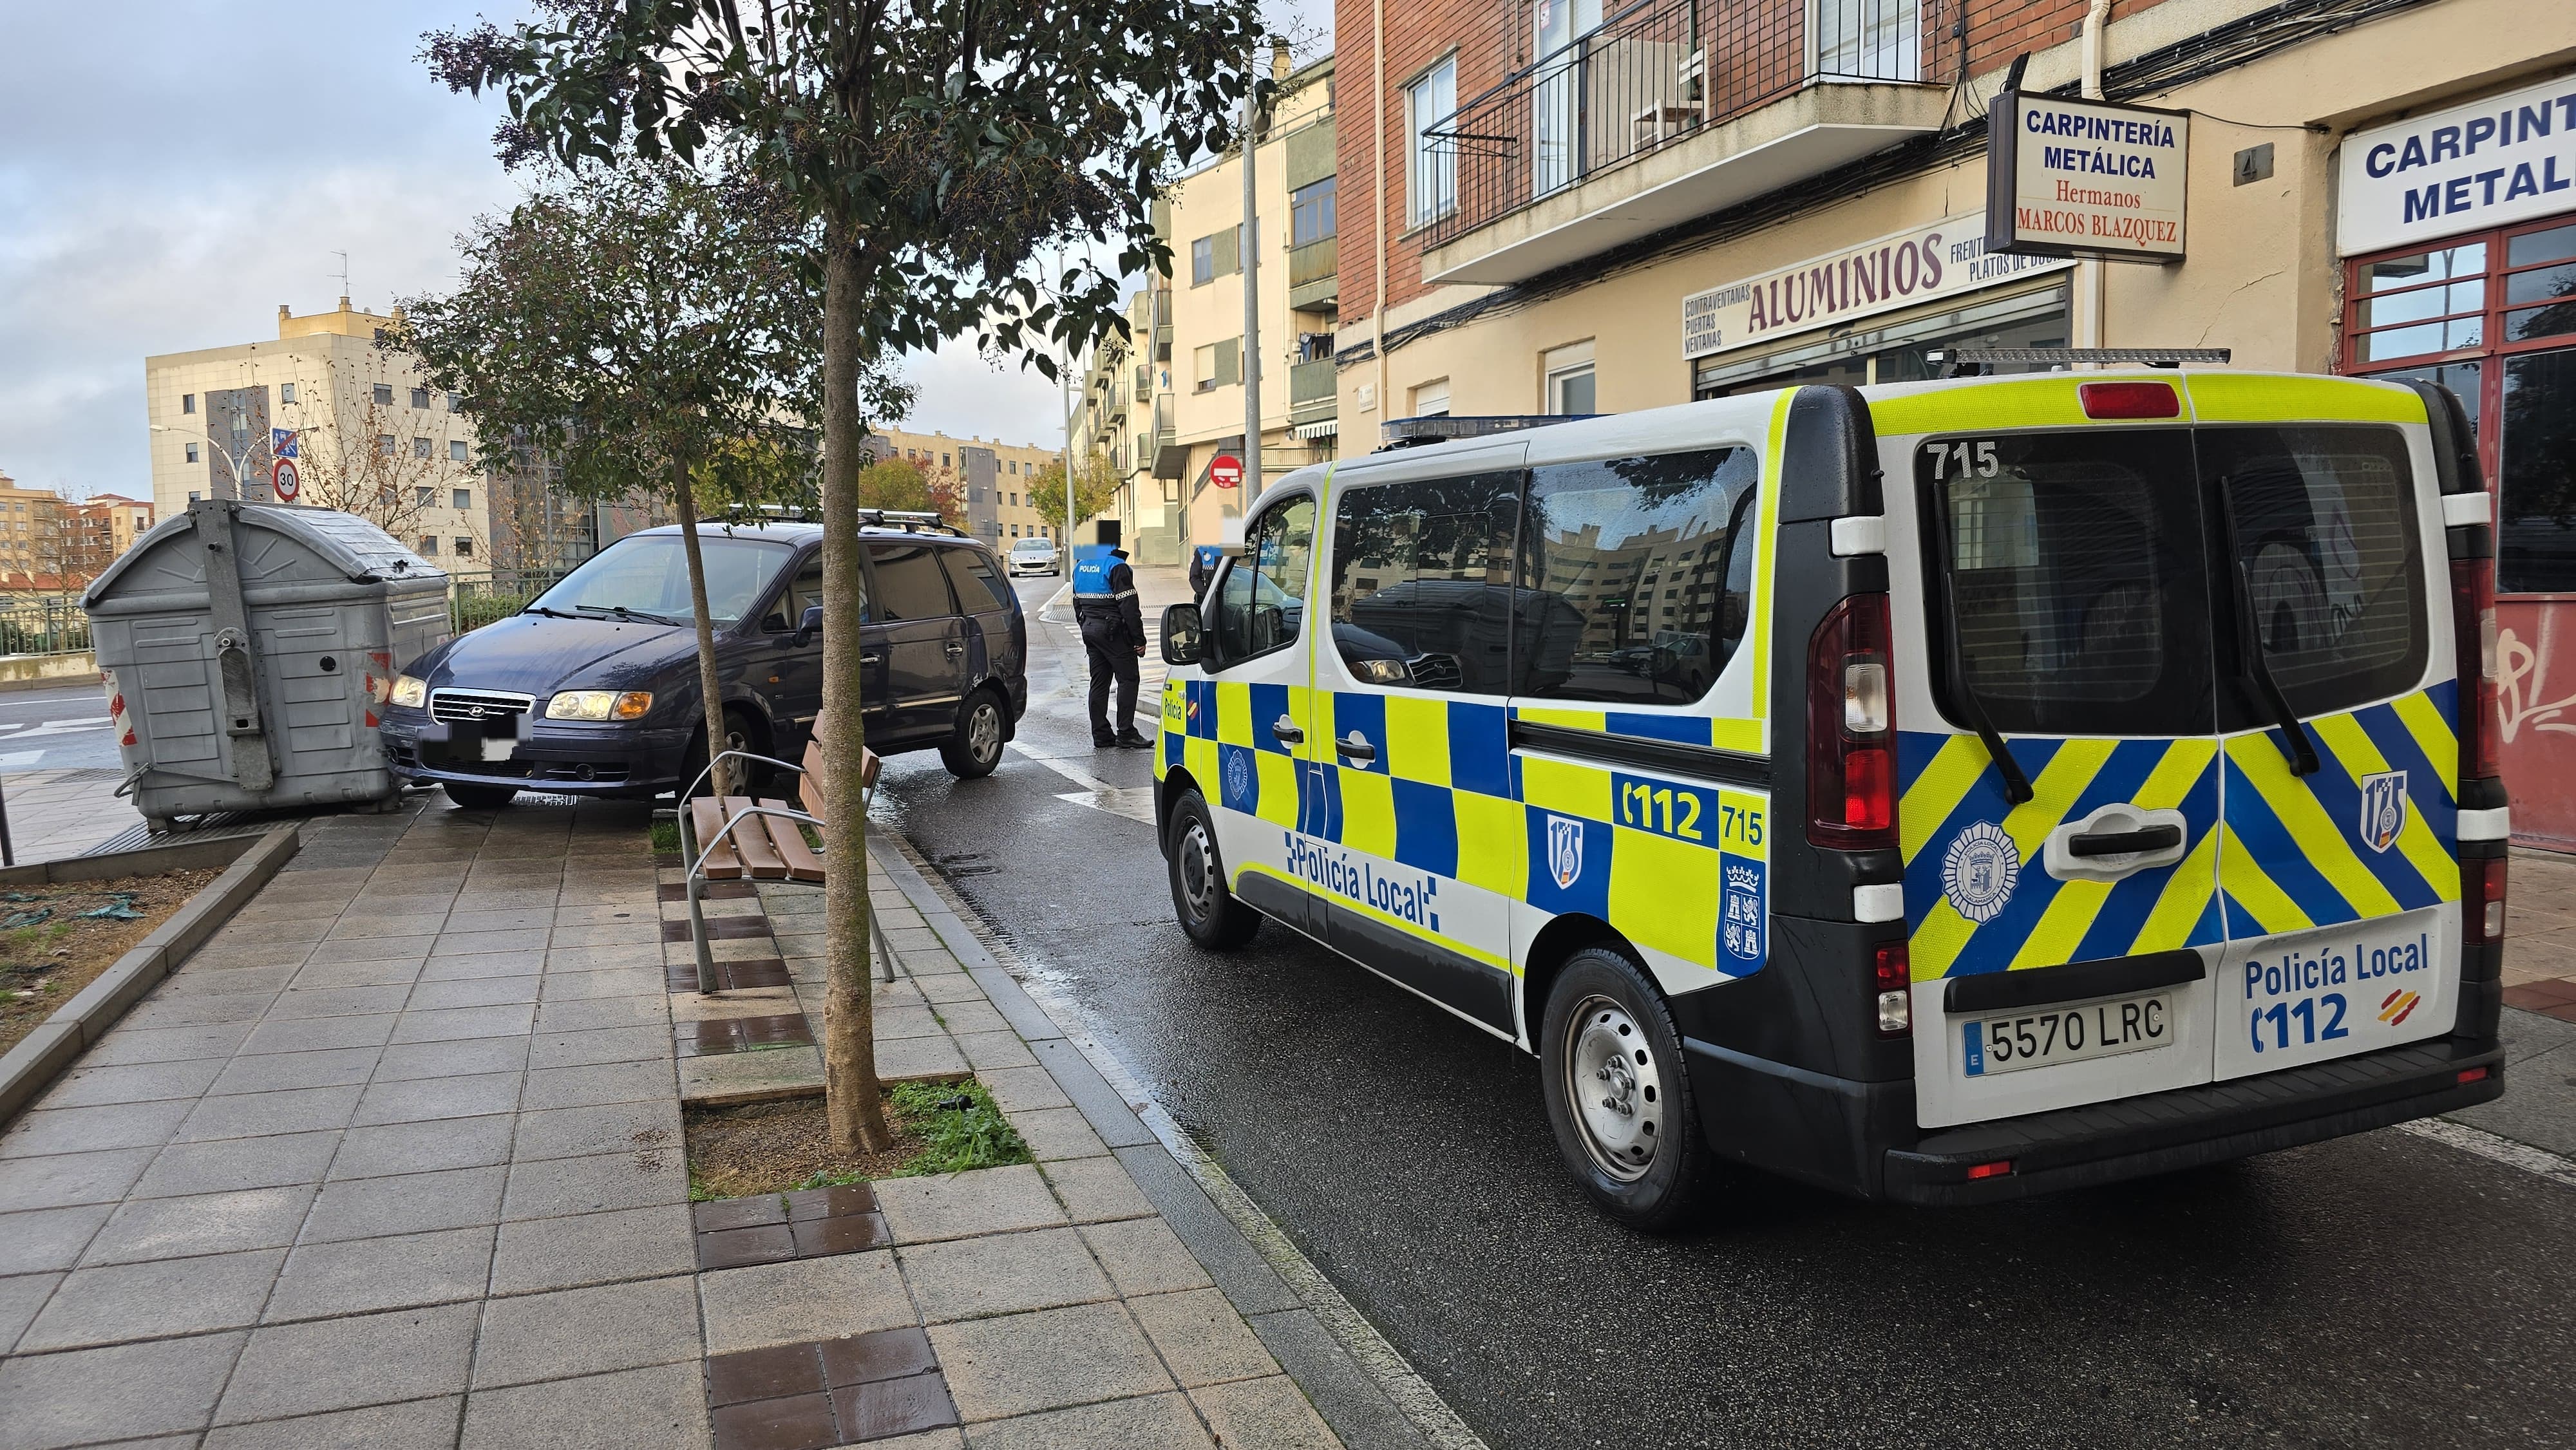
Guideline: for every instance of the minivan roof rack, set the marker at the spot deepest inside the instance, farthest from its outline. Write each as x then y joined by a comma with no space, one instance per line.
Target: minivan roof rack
1969,362
911,521
1444,428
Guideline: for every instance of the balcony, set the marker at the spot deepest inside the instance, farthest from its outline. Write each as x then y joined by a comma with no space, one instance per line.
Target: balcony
1314,282
1313,392
1670,110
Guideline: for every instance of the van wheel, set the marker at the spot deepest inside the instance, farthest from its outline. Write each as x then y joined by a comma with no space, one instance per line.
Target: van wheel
1208,911
1618,1091
975,748
479,797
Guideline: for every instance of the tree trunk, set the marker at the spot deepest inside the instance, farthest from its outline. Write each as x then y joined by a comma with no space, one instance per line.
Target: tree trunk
685,504
852,1097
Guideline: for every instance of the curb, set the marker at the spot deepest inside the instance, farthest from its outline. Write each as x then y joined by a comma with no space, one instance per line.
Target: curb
1365,1391
31,1066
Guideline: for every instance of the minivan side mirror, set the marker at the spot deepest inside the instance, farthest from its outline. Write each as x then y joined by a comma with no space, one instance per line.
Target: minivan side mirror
811,627
1181,631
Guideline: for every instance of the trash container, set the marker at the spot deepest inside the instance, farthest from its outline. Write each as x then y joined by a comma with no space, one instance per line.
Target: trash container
245,649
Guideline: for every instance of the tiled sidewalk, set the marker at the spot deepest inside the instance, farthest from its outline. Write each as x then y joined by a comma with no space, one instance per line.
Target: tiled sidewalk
394,1160
59,813
2540,934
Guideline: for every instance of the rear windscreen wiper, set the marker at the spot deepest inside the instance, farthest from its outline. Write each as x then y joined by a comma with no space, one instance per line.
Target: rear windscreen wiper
2016,782
2249,642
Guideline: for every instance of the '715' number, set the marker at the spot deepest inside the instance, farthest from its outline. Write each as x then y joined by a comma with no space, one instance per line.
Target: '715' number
1973,457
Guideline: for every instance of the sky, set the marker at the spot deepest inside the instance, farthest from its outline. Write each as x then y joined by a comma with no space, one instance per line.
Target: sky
165,187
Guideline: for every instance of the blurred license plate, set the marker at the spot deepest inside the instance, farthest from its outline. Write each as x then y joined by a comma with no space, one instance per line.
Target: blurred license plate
2010,1042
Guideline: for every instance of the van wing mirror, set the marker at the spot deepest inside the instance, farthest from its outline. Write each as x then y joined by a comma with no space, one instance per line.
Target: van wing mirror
1181,634
810,628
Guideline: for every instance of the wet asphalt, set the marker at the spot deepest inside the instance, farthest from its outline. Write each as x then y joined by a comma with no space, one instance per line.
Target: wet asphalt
2375,1290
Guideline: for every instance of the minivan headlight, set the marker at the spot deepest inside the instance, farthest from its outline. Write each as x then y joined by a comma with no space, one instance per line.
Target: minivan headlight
410,692
599,705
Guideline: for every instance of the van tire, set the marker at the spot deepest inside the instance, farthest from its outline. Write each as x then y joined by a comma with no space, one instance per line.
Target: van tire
1209,913
479,797
1632,1138
974,746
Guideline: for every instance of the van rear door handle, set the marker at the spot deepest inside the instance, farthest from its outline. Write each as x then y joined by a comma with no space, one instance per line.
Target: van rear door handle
1286,732
1355,746
2122,843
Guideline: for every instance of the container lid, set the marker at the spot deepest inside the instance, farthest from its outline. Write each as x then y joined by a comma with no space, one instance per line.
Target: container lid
279,544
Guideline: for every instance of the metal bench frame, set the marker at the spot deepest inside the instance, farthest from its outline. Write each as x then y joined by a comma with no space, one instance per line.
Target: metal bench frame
696,856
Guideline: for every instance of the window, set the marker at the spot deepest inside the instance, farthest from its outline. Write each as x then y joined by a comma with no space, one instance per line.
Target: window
1203,261
420,398
464,547
1218,365
385,445
460,499
648,575
455,404
1868,40
187,402
1263,603
457,452
1422,590
980,588
1431,400
1568,372
429,546
909,584
194,495
1431,180
424,498
1310,213
286,392
420,448
385,394
1640,573
943,460
2073,570
1015,465
192,453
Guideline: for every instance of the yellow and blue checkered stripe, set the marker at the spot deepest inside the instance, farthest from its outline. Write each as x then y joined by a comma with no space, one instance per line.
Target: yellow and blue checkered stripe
2296,856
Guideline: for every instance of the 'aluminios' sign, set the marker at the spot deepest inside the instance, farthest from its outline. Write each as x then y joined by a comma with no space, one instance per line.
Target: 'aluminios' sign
1921,264
2067,177
2490,163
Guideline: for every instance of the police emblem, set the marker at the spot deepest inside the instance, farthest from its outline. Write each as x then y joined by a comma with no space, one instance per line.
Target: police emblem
2383,808
1979,871
1564,850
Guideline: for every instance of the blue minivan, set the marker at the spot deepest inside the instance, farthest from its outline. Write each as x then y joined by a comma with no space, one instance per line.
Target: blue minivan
592,689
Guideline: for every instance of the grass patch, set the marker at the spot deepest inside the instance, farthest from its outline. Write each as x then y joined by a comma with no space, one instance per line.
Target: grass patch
666,834
783,1146
46,961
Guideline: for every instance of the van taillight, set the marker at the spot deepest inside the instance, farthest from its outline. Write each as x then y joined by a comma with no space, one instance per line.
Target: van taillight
1892,974
1851,729
2482,901
2129,400
2473,623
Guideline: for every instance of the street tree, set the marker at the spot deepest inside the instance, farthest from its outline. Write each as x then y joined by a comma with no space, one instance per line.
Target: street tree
939,147
1095,490
900,484
647,330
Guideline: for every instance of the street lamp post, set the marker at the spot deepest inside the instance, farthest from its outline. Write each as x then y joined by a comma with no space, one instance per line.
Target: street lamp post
239,462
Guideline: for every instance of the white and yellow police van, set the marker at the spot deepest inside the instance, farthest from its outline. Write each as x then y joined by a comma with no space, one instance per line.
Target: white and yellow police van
1942,792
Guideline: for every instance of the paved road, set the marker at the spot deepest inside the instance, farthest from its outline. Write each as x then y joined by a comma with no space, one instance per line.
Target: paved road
61,728
2379,1290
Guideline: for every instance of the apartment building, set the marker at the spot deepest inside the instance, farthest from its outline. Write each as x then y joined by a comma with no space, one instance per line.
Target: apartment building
322,414
1561,207
996,481
1294,166
105,525
1123,422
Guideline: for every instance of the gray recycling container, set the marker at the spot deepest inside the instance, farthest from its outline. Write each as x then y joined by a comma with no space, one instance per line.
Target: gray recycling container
245,648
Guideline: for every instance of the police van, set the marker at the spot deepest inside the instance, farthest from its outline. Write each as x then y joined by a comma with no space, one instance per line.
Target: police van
1941,792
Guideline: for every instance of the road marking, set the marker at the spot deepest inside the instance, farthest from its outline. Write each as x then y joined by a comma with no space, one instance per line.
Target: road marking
1065,768
2494,1149
20,759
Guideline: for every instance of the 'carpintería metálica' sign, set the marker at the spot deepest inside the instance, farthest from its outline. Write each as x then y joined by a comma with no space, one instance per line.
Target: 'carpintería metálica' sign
2085,178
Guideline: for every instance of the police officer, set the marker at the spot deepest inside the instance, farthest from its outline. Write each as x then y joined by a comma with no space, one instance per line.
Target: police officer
1202,569
1113,634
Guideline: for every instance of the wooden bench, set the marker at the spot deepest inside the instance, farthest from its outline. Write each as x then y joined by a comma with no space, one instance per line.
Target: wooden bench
732,837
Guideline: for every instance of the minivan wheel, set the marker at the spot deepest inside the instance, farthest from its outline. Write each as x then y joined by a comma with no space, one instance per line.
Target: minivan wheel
1209,913
479,797
976,747
747,777
1618,1091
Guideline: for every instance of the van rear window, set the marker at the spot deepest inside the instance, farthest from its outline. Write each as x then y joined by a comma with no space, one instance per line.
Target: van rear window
2075,578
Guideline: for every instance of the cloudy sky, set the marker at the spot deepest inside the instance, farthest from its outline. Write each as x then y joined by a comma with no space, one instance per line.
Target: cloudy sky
165,187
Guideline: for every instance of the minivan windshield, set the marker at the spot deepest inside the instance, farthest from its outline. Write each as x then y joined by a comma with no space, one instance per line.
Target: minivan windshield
646,576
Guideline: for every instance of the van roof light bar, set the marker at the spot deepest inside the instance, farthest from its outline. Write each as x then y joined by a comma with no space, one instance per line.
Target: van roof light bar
1444,428
1969,362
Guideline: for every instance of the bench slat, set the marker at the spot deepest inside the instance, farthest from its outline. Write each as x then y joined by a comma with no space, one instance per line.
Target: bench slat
802,863
809,787
751,840
704,819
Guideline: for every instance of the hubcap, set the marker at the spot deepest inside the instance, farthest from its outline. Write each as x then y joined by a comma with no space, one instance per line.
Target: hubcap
1616,1087
1197,877
984,731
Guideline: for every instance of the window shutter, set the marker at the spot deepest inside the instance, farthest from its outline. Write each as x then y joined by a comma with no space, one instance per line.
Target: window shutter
1229,362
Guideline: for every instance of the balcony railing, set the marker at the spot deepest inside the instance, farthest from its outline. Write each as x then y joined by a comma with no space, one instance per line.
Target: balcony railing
1313,391
1651,75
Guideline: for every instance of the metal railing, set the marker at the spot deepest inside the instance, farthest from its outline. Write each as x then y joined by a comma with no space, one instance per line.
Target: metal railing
1313,391
1652,74
1314,261
474,601
43,627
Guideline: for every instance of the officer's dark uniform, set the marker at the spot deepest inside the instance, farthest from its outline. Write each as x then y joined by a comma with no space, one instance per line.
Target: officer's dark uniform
1203,561
1113,634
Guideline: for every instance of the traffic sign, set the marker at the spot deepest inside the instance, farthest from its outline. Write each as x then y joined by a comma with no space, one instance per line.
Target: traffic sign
286,480
1226,471
281,442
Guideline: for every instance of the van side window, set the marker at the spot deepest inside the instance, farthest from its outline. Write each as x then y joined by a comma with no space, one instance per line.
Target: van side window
1422,590
1631,594
980,589
910,584
1263,603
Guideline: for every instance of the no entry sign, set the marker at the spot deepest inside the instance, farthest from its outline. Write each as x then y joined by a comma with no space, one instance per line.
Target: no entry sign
1226,471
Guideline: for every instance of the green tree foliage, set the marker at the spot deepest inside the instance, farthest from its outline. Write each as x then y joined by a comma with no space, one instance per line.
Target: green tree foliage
1095,489
939,148
901,484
